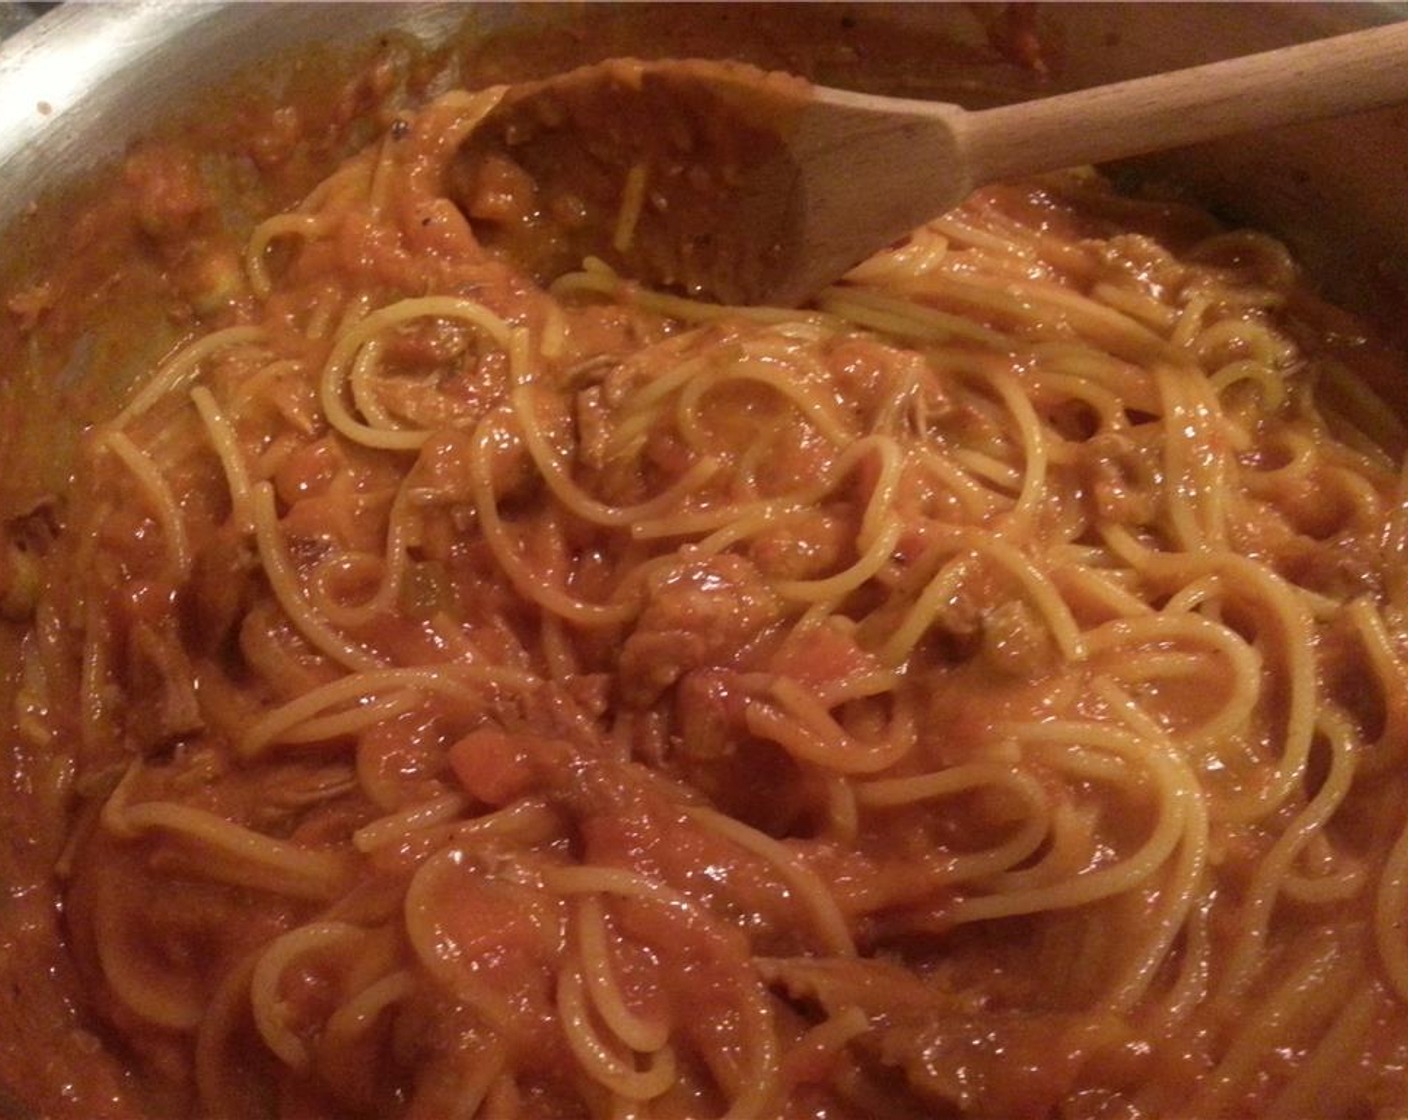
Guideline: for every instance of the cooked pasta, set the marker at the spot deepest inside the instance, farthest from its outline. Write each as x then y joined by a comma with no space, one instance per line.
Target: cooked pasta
980,693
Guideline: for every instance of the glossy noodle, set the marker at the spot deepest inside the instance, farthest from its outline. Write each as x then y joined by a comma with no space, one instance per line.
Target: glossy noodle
981,693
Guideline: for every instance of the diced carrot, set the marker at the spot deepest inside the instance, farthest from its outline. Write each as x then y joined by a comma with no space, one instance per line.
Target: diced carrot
494,766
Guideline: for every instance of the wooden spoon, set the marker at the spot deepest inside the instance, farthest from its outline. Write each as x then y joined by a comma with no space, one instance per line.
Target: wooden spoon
717,179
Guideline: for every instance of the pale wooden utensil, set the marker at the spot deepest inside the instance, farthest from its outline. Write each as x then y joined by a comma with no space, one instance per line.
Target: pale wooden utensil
723,180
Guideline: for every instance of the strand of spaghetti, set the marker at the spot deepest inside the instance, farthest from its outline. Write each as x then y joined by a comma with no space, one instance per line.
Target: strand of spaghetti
1096,883
807,731
623,233
559,654
1127,382
1039,590
1241,336
1193,467
1295,645
1239,668
813,405
915,622
884,793
1247,951
722,518
143,984
552,343
597,278
271,1010
1296,462
1189,990
1396,536
643,405
1391,676
1324,1083
1146,309
842,820
357,1016
1109,330
1037,586
396,557
256,264
475,1085
743,520
1033,442
526,823
359,381
260,385
1032,829
811,892
1360,497
94,695
644,1034
594,1054
184,366
276,865
225,441
1003,477
901,405
896,317
581,504
1272,267
755,1086
355,569
821,1046
1068,851
1311,991
752,463
1076,581
158,497
510,561
353,721
858,686
349,343
396,827
1110,408
1269,383
885,489
922,252
1336,875
1376,428
1075,258
221,1088
425,931
522,367
334,314
754,519
383,176
241,857
283,581
831,589
450,680
1390,908
1203,593
1178,896
960,228
1004,303
978,501
1188,321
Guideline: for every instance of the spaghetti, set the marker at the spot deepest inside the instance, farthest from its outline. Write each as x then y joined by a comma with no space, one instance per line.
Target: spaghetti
980,694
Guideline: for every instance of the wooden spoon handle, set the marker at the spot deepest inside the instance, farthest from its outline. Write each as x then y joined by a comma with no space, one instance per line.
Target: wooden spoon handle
1341,74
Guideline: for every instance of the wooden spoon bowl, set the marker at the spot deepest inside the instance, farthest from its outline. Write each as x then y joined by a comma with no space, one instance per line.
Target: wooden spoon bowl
721,180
